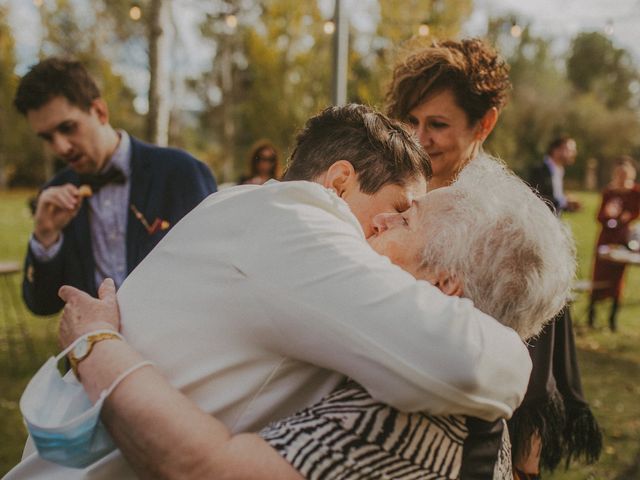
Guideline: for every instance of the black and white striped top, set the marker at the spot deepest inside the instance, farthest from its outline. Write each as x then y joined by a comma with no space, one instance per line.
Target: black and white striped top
348,435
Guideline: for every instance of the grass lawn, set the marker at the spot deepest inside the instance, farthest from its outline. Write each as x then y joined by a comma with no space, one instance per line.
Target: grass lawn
25,340
610,363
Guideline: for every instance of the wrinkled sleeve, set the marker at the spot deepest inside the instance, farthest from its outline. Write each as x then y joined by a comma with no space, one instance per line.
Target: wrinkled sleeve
406,342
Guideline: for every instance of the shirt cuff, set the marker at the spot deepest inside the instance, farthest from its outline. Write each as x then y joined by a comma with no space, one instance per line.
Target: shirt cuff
43,254
562,202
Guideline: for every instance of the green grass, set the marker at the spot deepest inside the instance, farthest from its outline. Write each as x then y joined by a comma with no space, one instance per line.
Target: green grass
610,363
25,340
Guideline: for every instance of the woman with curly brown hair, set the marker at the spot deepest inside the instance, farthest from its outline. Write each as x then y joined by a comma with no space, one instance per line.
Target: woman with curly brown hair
452,93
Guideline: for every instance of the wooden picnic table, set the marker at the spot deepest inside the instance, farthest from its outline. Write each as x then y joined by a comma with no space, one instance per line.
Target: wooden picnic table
9,268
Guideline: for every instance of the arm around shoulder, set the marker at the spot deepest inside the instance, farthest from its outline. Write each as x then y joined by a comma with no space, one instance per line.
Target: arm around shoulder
350,310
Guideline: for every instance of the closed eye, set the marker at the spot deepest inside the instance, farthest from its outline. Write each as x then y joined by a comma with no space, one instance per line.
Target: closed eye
67,128
413,121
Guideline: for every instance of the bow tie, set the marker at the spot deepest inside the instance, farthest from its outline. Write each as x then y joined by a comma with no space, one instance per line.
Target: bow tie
96,182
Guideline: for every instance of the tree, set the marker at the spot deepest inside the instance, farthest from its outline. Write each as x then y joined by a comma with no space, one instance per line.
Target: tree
596,65
158,116
536,109
398,31
7,87
580,101
271,72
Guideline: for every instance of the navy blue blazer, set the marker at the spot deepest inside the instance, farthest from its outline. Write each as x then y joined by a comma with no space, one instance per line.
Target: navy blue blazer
540,180
165,183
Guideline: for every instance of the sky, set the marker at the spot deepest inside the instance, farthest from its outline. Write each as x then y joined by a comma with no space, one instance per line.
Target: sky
559,20
563,19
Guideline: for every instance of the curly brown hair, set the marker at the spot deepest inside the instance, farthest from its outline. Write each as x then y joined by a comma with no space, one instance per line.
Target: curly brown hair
471,69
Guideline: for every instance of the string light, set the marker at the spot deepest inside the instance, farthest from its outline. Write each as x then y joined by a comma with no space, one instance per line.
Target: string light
231,21
608,29
423,30
516,30
135,13
329,27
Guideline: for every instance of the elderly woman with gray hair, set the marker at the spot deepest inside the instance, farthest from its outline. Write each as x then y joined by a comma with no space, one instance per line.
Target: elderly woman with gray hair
489,238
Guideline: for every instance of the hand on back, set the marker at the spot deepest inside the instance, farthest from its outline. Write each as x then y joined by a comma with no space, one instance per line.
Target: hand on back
84,314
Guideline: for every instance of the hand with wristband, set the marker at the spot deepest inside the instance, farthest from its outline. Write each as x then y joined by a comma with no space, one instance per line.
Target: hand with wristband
63,417
83,314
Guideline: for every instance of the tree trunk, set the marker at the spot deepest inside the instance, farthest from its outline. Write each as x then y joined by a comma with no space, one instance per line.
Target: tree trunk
159,85
228,127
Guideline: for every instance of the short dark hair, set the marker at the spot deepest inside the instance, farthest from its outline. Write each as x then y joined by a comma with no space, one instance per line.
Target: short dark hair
56,77
382,151
558,142
470,68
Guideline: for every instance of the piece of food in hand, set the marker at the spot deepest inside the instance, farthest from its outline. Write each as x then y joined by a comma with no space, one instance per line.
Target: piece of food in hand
85,191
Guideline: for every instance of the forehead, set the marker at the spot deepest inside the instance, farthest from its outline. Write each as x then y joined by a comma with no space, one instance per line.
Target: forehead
437,203
412,188
442,102
439,197
54,112
402,195
265,150
626,168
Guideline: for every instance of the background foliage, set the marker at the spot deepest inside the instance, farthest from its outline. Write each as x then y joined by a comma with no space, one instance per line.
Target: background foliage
271,69
267,74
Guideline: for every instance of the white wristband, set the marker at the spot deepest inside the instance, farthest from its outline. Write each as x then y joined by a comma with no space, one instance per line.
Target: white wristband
105,393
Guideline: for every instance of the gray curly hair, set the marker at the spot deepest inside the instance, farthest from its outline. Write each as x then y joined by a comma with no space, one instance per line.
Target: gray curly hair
516,260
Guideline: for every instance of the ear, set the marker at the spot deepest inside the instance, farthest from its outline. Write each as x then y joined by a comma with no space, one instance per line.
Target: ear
102,111
486,124
449,283
340,176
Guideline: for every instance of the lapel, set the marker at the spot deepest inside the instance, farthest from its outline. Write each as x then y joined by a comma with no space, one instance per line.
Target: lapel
82,232
141,176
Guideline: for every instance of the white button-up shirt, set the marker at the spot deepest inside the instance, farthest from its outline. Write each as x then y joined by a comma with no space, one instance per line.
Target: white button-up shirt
258,297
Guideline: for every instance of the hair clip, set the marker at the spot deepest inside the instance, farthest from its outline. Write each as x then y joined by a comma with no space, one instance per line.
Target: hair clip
157,225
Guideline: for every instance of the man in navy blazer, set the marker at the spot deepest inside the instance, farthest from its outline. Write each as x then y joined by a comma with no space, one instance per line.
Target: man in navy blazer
116,199
548,177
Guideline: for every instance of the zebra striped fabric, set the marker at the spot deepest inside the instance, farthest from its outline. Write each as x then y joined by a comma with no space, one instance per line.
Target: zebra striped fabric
348,435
